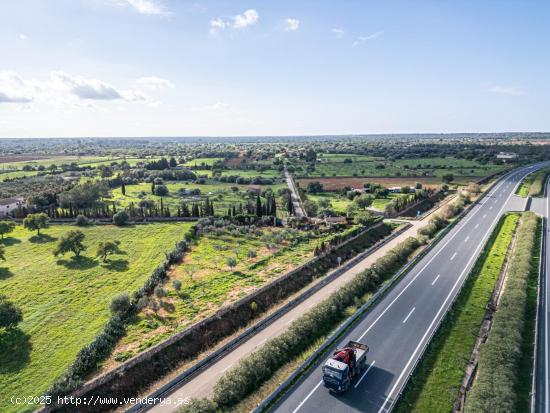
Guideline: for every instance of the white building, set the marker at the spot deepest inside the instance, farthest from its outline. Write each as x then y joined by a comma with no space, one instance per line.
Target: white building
507,155
9,204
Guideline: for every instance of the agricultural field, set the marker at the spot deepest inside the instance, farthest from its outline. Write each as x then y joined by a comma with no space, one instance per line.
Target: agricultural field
65,301
348,165
223,195
340,203
220,268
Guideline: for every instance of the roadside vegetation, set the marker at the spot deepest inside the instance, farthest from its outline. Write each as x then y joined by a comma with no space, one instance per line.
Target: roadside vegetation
533,184
65,299
501,384
435,384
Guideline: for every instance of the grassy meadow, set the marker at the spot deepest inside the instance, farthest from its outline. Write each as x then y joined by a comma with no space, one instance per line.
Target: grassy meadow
208,282
65,302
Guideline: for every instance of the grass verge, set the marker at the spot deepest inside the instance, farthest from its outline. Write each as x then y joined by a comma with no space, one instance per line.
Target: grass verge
498,385
436,382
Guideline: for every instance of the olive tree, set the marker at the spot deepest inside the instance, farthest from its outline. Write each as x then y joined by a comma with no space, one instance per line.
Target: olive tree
6,227
71,242
10,315
36,222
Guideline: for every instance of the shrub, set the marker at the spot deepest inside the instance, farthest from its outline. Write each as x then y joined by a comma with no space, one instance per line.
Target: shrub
121,218
10,315
159,291
176,284
120,303
81,221
252,254
199,406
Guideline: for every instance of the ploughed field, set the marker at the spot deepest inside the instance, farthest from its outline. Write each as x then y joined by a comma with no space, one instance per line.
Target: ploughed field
65,301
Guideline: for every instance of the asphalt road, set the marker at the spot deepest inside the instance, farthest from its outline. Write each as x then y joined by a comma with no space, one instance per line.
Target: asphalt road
543,346
298,211
399,327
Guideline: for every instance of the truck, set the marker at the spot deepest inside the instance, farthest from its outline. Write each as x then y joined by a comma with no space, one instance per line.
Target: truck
345,366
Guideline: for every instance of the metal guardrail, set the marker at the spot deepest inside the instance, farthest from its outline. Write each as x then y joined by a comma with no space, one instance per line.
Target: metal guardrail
361,312
191,372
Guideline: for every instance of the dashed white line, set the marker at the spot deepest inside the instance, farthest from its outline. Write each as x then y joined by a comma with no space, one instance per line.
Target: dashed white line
408,315
364,374
490,208
476,227
289,321
484,216
307,397
435,279
467,238
227,368
453,257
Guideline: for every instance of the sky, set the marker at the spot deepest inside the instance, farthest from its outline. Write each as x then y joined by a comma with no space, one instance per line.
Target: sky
285,67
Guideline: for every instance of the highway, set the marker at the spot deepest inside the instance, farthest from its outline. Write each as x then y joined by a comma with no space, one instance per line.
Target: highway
399,326
543,346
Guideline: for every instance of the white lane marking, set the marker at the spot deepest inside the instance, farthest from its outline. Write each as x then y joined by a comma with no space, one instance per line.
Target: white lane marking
307,397
424,267
408,315
436,278
484,216
260,343
476,227
383,407
490,208
364,374
289,321
453,257
467,238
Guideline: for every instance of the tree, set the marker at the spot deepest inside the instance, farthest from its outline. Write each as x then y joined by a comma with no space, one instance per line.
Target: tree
10,315
120,303
472,188
363,201
123,189
6,227
259,212
36,222
104,249
364,218
2,253
121,218
161,190
231,262
448,178
314,187
173,162
310,207
153,187
71,242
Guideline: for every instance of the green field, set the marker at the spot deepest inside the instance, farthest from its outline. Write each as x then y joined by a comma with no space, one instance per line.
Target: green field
340,203
201,162
221,194
65,302
333,165
208,282
435,384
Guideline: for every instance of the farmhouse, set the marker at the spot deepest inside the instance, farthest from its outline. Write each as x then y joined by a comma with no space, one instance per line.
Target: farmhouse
506,156
9,204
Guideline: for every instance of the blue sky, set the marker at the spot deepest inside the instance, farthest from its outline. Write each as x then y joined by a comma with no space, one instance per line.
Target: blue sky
178,68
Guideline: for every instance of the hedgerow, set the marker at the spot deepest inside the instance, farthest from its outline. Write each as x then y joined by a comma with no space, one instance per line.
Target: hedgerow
251,372
495,387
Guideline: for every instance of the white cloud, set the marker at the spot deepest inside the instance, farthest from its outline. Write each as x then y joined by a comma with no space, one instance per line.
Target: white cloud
248,18
22,36
147,7
155,83
291,24
507,90
339,33
240,21
83,88
362,39
218,106
14,89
